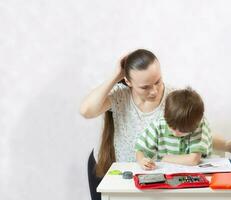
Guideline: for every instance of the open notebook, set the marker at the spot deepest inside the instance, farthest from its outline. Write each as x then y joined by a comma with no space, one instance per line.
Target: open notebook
211,165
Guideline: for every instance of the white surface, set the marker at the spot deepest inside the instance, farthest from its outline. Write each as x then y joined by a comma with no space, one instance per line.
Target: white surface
53,52
115,187
219,165
115,183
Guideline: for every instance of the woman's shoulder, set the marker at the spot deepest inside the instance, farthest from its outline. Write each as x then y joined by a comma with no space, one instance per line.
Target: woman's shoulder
120,86
120,94
120,89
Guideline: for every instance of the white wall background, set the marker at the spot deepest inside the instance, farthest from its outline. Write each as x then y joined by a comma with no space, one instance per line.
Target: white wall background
52,53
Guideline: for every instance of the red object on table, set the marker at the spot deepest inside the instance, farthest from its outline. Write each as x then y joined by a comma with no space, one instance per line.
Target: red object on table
203,182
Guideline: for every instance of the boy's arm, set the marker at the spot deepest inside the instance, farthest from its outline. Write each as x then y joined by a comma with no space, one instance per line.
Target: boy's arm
186,159
201,140
200,144
146,146
145,163
220,144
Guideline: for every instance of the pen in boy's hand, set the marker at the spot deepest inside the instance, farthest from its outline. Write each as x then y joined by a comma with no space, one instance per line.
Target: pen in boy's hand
148,164
206,165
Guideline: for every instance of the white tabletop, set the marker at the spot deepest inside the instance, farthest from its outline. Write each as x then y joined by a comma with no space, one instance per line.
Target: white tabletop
116,184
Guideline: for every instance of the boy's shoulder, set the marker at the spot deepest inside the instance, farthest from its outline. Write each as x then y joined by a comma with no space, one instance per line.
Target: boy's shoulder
203,122
202,127
159,123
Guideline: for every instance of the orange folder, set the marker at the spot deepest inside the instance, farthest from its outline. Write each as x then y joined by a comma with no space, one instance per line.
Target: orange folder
221,181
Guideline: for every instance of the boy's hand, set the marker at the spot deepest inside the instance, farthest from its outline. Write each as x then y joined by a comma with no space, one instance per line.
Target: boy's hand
147,164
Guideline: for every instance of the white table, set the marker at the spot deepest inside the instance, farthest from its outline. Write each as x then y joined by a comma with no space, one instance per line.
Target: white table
114,187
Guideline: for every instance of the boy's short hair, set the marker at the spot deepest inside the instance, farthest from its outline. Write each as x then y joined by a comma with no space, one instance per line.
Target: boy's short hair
184,110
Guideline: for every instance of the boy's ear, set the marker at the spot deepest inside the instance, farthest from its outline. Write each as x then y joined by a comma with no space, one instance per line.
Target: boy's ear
127,82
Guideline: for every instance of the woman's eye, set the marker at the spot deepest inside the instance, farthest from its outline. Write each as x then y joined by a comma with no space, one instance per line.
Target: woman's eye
157,83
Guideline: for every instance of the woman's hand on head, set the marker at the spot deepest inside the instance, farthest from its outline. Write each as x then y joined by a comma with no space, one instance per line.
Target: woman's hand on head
119,71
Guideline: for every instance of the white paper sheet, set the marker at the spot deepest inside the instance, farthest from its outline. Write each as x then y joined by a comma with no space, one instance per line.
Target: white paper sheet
218,165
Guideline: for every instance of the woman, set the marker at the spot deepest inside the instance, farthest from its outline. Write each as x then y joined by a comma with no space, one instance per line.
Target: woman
129,107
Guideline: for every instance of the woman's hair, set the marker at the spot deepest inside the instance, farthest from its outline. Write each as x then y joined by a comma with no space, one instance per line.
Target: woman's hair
137,60
184,110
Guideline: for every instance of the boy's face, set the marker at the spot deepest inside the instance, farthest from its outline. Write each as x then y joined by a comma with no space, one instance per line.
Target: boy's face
177,133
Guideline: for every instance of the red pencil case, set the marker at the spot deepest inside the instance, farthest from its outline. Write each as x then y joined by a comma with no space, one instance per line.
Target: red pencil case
174,181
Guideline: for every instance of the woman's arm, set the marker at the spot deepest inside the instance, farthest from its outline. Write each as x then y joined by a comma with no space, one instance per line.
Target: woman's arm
97,102
220,144
186,159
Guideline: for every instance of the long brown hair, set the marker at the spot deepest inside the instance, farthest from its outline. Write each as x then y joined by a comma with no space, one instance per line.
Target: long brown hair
137,60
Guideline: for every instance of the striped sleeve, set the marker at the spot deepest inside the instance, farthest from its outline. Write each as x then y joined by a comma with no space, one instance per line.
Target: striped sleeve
201,140
147,142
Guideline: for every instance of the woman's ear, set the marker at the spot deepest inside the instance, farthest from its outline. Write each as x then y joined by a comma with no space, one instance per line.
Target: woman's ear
127,82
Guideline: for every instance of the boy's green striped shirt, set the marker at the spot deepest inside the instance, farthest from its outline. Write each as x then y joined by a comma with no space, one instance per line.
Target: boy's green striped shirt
158,140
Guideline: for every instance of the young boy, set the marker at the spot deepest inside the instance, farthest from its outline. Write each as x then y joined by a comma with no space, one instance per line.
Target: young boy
182,136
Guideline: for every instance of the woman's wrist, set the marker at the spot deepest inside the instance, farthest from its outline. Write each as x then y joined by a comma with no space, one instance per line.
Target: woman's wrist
118,74
116,78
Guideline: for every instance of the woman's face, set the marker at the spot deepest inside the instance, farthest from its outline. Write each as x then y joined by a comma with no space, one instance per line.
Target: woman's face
147,84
